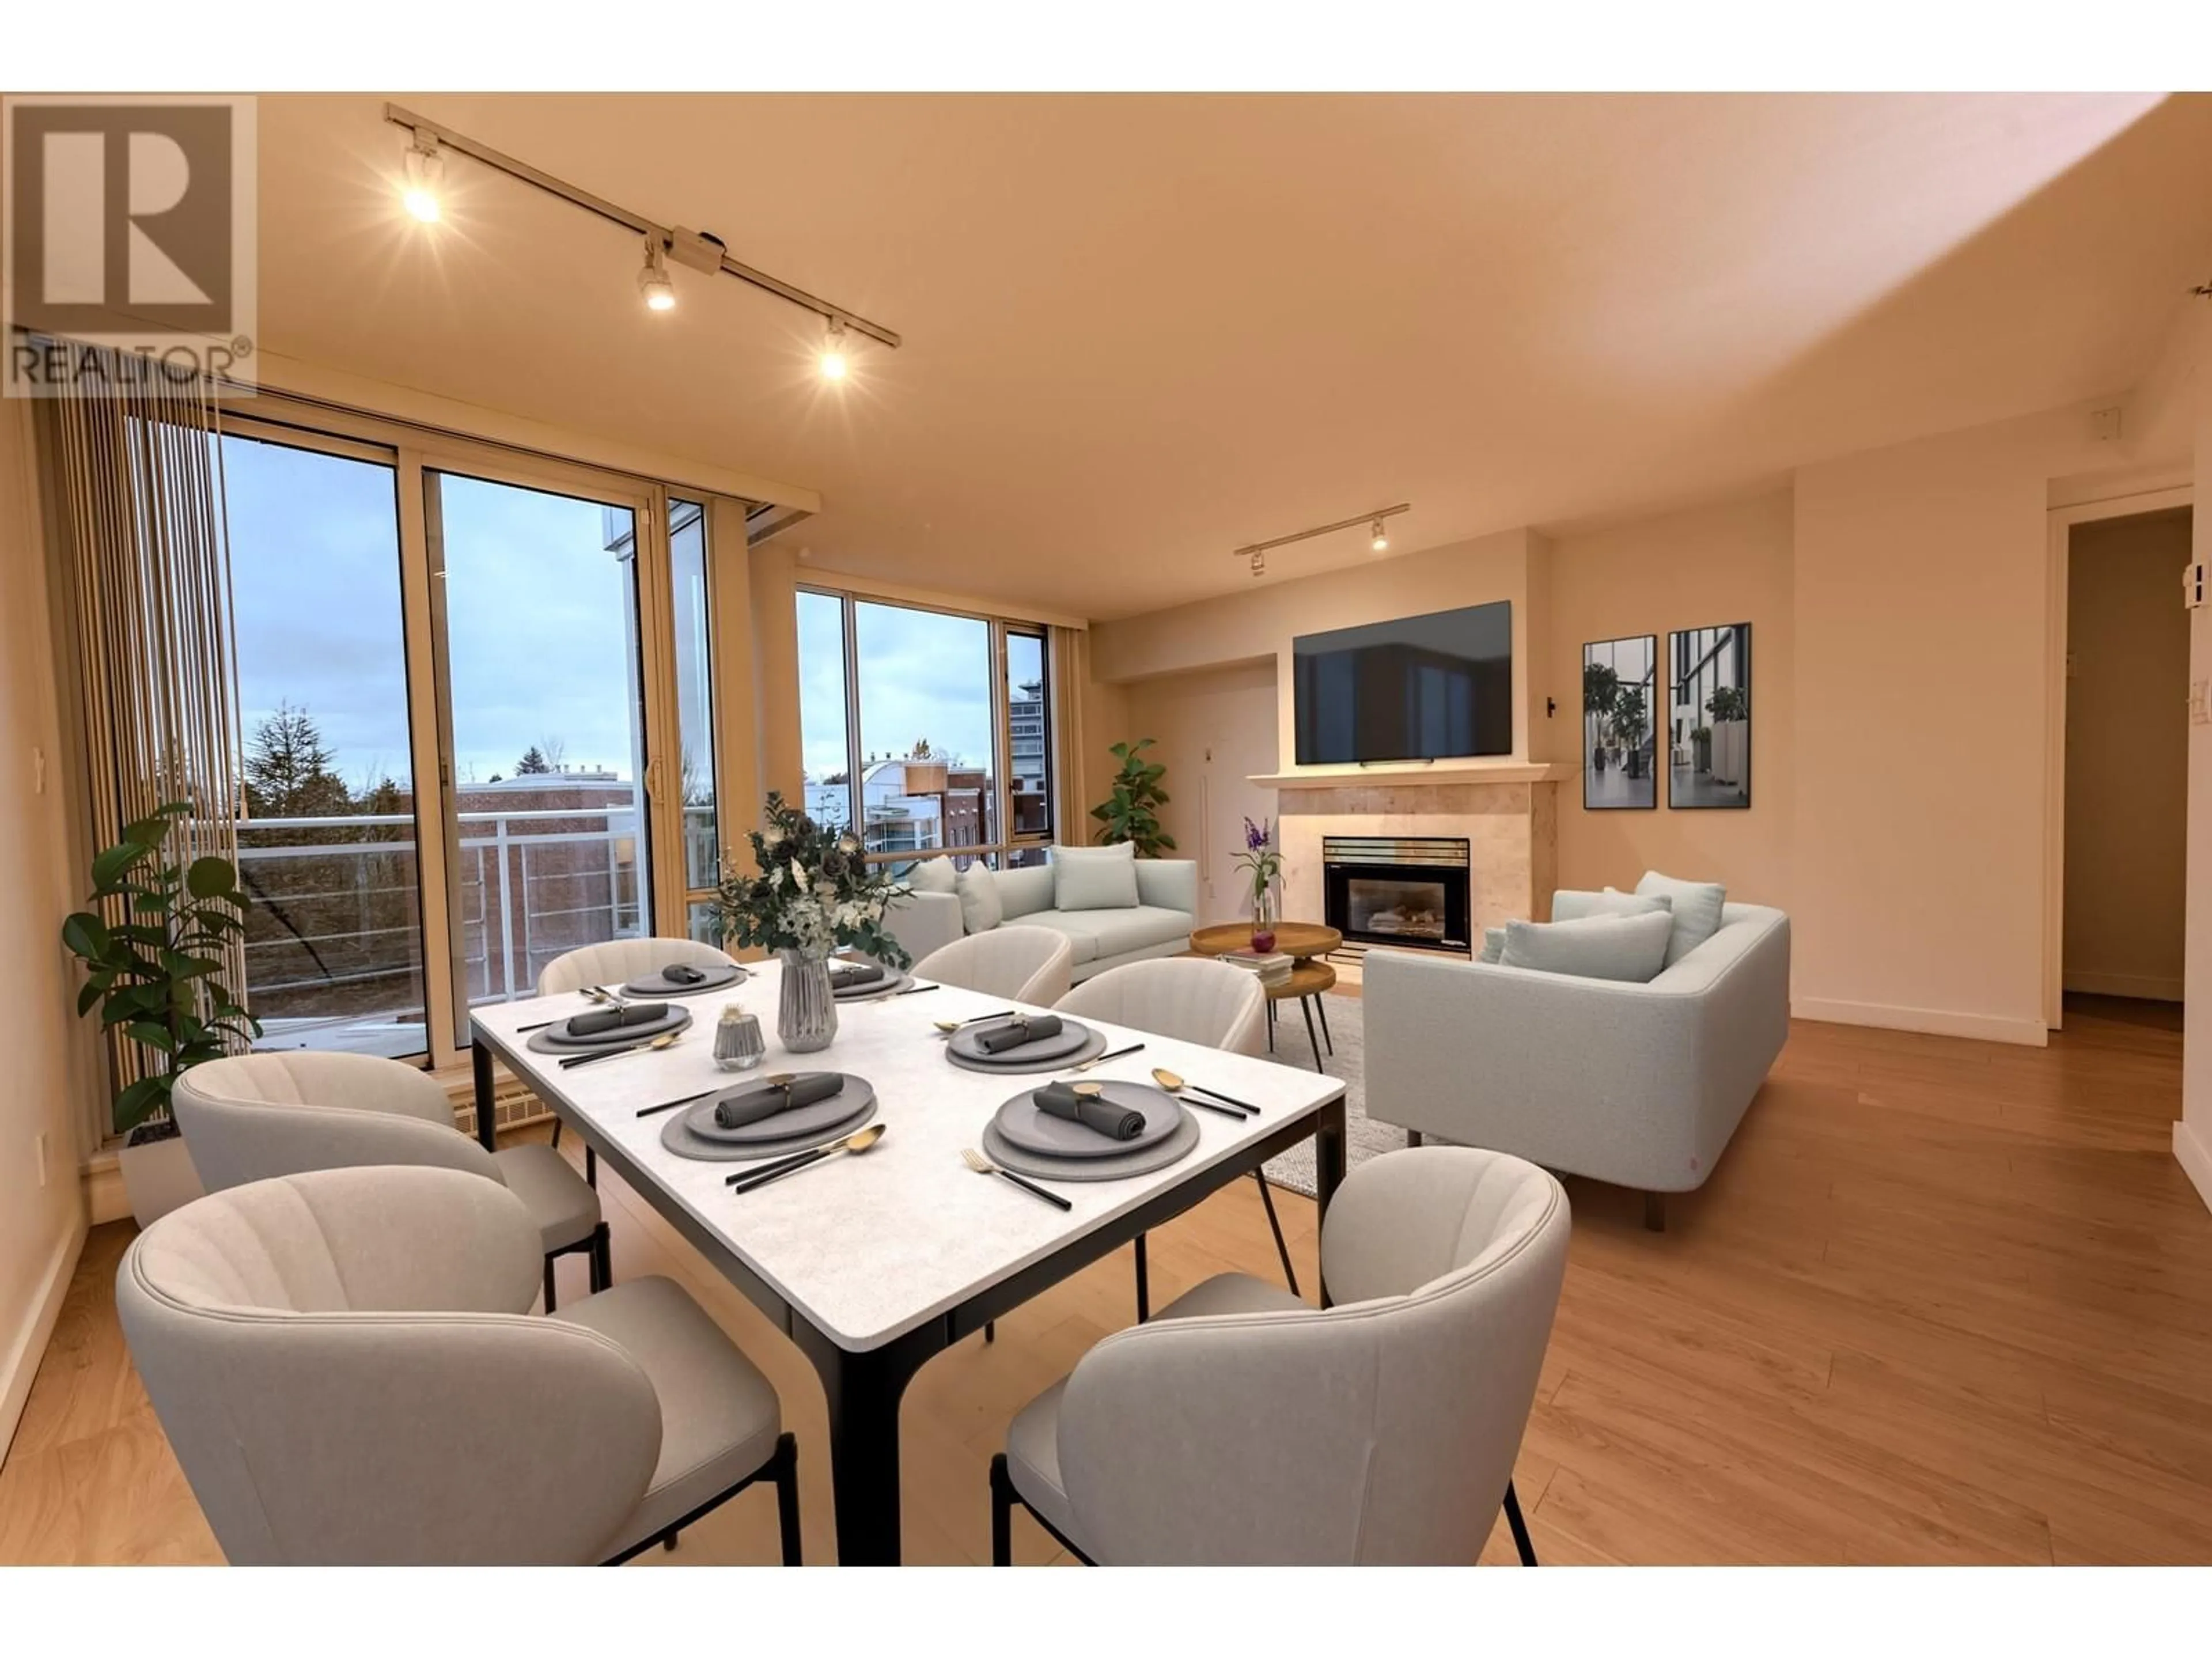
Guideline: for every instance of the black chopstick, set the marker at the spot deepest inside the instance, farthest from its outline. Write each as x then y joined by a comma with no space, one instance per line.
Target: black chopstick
790,1161
670,1105
1225,1111
1217,1095
914,990
1100,1060
571,1062
753,1178
539,1026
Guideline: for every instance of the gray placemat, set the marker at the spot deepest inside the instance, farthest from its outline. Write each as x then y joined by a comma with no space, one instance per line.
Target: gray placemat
1158,1155
679,1138
1043,1135
1064,1044
893,982
544,1042
1090,1050
652,987
794,1123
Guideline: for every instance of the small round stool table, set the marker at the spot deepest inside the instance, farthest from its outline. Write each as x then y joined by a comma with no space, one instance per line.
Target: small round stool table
1311,978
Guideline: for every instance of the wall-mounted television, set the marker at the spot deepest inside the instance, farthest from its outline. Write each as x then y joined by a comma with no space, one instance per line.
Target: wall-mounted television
1420,687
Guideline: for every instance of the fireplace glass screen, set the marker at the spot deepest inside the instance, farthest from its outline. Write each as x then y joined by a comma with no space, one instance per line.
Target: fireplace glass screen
1397,910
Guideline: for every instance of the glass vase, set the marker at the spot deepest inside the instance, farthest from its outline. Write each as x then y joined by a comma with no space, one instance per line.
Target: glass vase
806,1011
1263,922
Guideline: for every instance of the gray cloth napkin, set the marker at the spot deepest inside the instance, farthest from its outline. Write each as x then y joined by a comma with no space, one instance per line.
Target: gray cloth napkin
682,972
1017,1032
855,973
753,1105
1117,1122
611,1019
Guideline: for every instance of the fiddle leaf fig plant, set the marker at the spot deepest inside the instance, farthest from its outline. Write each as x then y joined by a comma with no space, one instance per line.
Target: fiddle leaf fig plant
158,973
1132,812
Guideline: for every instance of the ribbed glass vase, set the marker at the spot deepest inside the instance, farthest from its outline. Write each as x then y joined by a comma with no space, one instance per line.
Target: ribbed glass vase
807,1012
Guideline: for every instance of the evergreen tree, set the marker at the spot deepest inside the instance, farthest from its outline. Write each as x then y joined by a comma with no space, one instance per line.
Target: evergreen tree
288,769
533,764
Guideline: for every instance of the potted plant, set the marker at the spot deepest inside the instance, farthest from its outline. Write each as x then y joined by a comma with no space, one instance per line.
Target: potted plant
1701,748
1262,861
1132,812
1601,695
1730,708
1631,724
816,893
153,953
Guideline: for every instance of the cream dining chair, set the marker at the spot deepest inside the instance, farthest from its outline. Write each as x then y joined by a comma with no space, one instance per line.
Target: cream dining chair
1022,964
1243,1427
251,1116
345,1364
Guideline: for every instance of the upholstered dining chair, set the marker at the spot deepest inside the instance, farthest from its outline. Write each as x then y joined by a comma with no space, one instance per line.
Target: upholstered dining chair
613,962
1243,1427
1022,964
345,1364
251,1116
1193,1000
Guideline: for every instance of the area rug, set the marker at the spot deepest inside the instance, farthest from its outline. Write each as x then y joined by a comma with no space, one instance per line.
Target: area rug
1363,1137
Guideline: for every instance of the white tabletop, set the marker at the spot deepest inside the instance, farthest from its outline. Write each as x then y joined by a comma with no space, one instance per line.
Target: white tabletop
870,1247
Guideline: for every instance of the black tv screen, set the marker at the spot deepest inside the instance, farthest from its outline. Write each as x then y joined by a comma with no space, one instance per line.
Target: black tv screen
1420,687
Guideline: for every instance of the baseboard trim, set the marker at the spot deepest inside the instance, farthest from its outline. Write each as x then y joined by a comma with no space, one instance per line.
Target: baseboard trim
1935,1022
22,1366
105,1197
2145,987
2195,1158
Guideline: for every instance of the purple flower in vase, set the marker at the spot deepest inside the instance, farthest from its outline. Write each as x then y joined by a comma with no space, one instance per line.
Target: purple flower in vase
1255,837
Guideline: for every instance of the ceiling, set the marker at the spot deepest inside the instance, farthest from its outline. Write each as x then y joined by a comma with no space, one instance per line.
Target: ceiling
1142,330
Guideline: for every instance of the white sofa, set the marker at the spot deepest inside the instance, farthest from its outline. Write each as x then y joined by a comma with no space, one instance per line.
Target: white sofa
1158,925
1639,1085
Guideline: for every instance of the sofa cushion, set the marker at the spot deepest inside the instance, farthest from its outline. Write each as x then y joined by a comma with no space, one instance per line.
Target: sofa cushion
1025,891
1631,948
934,876
1098,934
980,910
1094,877
1697,910
1493,944
1568,904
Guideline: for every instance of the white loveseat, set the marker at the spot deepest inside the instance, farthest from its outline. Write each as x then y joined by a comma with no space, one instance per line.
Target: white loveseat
1158,925
1639,1085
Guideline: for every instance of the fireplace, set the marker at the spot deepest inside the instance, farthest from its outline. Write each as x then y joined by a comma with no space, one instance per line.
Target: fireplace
1410,891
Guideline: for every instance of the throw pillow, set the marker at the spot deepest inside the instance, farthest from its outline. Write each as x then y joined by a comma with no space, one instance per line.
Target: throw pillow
934,876
1094,877
1697,910
978,888
1493,944
1568,904
1630,948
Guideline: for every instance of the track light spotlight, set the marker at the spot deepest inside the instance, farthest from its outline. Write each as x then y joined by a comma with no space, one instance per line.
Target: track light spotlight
836,358
1382,542
653,278
426,171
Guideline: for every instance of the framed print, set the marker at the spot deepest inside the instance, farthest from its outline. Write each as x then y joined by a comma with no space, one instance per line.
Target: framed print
1620,703
1708,717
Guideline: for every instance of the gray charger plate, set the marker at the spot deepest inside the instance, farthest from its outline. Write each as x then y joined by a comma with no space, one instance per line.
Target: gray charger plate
794,1124
1159,1155
652,987
894,980
1025,1126
546,1043
678,1137
1093,1048
1068,1040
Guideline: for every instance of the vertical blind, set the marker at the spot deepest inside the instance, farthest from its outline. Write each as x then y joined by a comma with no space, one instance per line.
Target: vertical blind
138,498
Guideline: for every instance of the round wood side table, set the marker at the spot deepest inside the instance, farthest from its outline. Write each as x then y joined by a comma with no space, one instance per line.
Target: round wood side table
1309,981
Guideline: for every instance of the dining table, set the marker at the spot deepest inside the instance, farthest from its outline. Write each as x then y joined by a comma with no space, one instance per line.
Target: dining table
874,1264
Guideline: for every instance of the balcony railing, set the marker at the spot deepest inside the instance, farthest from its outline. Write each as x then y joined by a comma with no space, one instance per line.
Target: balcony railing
334,946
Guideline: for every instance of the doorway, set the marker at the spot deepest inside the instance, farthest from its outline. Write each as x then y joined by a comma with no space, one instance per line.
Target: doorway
2124,850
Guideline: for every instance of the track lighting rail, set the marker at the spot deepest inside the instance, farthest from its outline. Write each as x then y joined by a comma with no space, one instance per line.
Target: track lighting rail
1257,551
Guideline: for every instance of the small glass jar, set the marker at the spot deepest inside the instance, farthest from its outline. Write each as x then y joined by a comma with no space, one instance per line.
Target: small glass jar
738,1045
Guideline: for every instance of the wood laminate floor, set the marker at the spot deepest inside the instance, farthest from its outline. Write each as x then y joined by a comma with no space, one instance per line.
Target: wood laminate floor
1942,1301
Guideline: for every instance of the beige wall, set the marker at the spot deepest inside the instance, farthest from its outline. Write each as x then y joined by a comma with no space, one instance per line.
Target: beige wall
41,1223
2192,1137
2127,756
1214,728
1728,563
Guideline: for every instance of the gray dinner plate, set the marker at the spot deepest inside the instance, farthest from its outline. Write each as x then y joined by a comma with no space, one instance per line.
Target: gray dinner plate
1033,1130
652,988
848,1104
1061,1044
1093,1046
680,1138
555,1039
894,980
1145,1160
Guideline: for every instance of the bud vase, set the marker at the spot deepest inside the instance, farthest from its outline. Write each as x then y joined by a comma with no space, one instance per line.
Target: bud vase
806,1011
1263,923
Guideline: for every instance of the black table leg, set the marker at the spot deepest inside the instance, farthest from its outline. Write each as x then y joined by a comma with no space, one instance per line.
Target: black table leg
1307,1003
487,1124
1144,1283
1322,1004
864,1391
1328,1166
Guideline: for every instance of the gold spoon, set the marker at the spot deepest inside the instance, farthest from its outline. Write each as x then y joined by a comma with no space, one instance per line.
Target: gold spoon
859,1142
949,1026
661,1042
1175,1085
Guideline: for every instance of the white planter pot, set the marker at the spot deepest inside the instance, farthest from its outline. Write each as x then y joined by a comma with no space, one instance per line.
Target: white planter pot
159,1178
1731,750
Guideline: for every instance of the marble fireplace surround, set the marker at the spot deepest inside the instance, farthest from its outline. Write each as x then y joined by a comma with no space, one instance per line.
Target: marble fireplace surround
1511,826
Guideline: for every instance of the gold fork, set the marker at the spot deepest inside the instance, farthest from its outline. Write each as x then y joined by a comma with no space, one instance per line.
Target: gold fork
982,1165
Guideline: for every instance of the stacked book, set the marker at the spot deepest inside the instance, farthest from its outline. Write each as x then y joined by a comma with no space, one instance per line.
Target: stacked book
1272,967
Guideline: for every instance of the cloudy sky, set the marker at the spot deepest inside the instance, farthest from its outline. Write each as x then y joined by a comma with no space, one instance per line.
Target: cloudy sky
540,618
